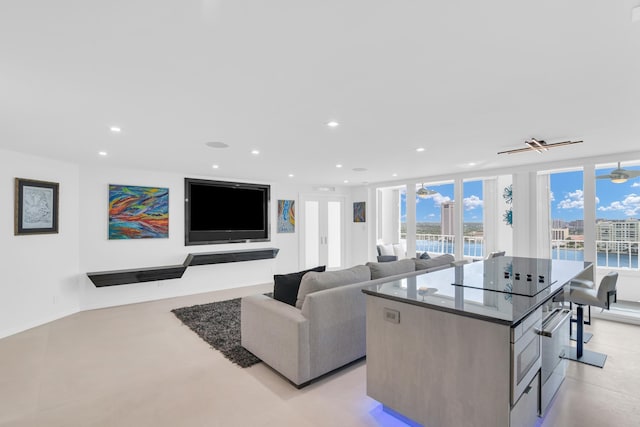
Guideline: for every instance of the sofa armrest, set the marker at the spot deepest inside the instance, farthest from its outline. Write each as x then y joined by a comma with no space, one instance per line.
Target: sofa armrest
278,334
336,326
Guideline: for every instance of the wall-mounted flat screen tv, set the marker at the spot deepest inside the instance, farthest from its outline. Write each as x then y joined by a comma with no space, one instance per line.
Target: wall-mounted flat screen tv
225,212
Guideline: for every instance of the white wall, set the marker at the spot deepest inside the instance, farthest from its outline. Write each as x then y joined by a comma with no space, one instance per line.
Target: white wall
98,253
44,276
39,272
361,235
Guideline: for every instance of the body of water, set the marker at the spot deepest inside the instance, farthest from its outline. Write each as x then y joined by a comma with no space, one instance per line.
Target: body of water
612,259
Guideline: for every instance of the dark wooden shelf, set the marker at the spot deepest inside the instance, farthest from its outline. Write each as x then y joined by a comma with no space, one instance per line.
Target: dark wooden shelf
138,275
230,256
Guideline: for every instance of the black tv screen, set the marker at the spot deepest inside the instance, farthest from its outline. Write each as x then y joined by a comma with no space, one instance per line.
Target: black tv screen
225,212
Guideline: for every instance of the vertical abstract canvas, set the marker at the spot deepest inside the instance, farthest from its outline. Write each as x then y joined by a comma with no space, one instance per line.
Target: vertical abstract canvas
359,212
138,212
286,216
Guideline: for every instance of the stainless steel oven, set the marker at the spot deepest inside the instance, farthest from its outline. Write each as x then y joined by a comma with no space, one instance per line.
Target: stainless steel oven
525,354
555,340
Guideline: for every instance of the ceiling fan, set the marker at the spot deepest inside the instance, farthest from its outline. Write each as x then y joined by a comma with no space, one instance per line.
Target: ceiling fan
619,175
538,145
424,192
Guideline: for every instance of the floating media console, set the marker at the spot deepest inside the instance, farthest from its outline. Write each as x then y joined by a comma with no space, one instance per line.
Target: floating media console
149,274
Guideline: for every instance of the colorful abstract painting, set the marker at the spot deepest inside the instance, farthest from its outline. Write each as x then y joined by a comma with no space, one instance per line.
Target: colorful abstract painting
359,212
138,212
286,216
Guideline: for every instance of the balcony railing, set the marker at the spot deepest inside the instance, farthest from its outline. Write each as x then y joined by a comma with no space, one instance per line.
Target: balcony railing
473,246
619,254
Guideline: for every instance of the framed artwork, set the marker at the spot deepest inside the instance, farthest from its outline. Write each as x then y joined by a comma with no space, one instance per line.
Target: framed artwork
36,207
138,212
286,216
359,212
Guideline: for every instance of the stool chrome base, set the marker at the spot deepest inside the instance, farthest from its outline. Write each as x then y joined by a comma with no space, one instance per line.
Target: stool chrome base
588,357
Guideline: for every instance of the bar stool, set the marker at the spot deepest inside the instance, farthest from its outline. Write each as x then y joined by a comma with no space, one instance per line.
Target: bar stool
601,297
587,284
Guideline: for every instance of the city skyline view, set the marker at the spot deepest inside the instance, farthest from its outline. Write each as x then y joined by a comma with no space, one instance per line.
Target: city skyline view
613,201
428,208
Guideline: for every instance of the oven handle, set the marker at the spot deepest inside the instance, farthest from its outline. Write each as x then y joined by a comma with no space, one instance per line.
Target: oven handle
562,317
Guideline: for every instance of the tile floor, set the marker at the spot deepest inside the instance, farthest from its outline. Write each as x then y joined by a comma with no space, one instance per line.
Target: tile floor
137,365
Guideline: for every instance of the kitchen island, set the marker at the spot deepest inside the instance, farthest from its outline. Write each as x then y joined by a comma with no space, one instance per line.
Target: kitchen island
461,346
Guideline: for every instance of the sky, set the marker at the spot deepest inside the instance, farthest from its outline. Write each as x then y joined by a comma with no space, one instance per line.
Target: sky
428,210
613,201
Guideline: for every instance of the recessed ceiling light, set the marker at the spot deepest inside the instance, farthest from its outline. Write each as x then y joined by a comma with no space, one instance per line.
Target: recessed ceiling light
290,175
115,129
346,181
255,152
215,166
394,174
472,163
420,150
216,144
102,153
333,124
338,165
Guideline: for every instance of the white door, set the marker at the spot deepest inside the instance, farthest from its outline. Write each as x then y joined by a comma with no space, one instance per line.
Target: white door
322,231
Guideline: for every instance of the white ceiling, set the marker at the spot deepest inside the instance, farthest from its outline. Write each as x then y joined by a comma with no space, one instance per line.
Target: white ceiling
463,79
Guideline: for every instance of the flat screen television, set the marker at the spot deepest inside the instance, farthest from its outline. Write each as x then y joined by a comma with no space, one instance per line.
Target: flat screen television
225,212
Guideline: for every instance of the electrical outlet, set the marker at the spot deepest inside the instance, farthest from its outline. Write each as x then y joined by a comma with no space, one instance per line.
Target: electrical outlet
392,316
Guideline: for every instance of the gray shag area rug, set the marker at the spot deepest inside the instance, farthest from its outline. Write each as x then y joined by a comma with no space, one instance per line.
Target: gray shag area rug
218,323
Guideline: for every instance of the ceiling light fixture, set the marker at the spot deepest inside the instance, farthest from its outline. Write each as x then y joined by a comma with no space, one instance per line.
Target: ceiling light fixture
424,192
102,153
290,175
215,166
394,174
333,124
255,152
338,166
420,150
539,146
346,181
216,144
115,129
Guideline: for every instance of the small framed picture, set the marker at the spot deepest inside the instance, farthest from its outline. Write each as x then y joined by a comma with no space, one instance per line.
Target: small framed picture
359,212
36,207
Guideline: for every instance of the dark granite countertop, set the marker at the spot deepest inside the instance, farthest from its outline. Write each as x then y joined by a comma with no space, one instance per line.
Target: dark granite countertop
497,290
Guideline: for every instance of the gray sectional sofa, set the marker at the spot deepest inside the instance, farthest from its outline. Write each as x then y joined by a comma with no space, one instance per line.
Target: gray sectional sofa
326,329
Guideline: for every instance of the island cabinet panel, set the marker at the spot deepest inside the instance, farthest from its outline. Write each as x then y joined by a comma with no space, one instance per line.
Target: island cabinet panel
436,367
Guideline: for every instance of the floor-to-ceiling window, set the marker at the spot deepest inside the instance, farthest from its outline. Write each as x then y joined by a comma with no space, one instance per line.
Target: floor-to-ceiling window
435,219
473,221
617,227
567,215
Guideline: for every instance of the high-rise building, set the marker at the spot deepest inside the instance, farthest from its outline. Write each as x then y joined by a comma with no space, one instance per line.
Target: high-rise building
447,223
623,232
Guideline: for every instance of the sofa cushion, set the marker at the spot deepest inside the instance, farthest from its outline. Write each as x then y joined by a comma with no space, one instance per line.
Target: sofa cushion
424,255
313,281
439,261
285,286
385,269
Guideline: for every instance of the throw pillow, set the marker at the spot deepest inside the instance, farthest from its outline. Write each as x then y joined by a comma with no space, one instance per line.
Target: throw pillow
313,282
285,286
424,255
386,250
398,250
